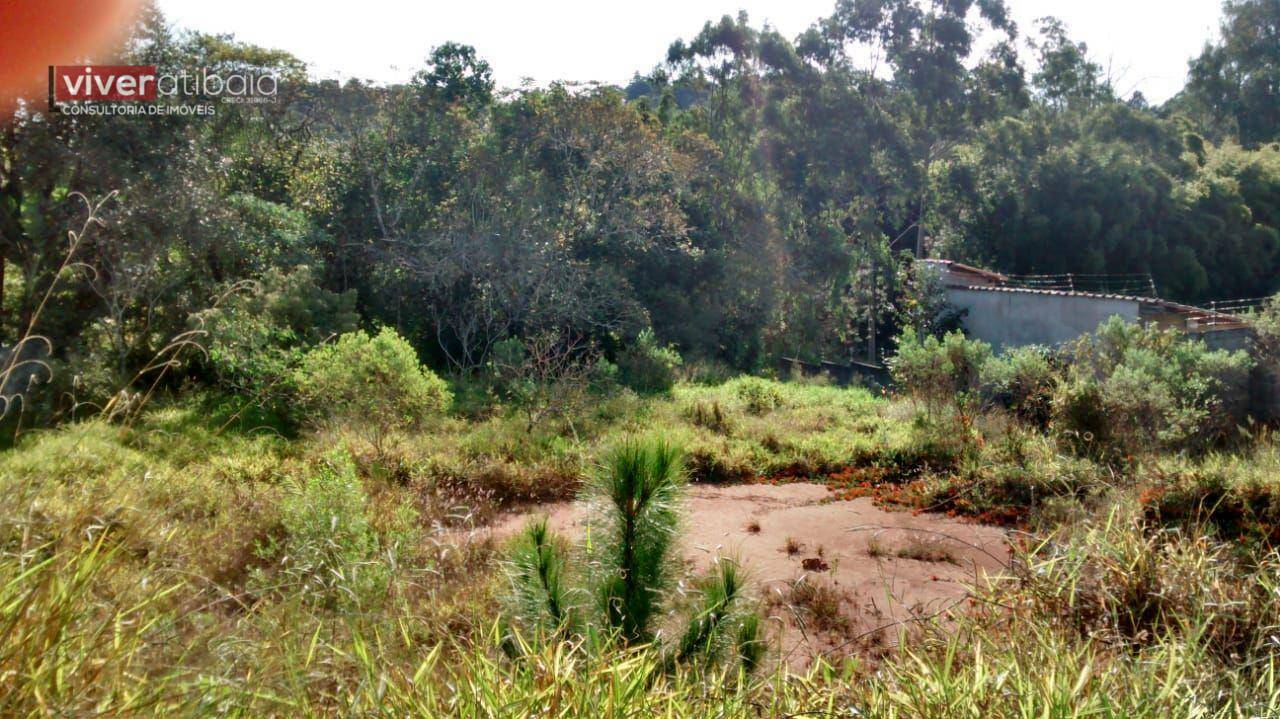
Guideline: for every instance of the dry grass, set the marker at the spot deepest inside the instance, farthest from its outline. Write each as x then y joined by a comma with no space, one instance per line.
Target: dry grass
793,546
877,548
129,552
822,602
925,547
920,546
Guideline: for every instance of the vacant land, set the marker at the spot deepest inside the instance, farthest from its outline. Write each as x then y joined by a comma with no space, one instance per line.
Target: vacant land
884,569
196,562
435,398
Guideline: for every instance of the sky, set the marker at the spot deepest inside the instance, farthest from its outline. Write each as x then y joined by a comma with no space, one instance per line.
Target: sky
1145,44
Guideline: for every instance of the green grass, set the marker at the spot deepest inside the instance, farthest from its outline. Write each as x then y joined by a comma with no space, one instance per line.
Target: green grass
1235,495
184,567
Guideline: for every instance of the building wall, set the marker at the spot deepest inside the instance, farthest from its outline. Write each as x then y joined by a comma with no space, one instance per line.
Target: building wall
1232,339
1011,319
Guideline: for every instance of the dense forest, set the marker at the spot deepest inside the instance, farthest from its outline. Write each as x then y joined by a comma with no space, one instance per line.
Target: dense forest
751,197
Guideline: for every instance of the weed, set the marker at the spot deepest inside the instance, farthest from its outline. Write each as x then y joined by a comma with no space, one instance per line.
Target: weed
821,601
792,547
925,547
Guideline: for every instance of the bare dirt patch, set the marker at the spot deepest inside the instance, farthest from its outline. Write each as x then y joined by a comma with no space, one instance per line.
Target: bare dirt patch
832,572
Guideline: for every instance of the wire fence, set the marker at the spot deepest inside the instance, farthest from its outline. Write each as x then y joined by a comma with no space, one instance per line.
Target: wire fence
1139,284
1237,306
1232,312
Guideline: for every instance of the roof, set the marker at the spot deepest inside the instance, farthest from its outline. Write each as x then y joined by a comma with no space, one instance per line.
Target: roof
969,269
1064,293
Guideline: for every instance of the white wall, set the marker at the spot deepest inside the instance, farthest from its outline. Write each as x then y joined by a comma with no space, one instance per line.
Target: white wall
1011,319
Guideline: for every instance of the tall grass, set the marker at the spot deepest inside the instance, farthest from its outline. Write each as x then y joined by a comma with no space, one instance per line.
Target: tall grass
64,650
167,569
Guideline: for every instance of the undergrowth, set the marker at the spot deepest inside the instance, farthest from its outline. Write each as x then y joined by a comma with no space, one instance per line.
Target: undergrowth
202,563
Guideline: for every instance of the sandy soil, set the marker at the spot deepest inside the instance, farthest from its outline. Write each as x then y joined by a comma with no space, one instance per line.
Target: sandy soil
878,567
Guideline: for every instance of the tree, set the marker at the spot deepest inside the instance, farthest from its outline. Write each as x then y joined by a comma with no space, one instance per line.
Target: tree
1234,85
456,74
1066,77
631,565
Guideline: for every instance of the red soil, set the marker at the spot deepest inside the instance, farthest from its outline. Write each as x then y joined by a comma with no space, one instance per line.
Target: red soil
880,568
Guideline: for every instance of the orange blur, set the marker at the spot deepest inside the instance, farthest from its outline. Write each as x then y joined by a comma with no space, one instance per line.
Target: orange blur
35,34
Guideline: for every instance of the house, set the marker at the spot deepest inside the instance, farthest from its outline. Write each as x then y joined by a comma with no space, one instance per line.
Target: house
1007,313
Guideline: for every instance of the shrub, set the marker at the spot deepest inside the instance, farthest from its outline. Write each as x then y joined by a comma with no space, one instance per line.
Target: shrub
1080,417
940,373
1134,389
376,381
1266,350
648,367
329,547
258,335
1022,380
1266,326
759,396
546,375
1020,477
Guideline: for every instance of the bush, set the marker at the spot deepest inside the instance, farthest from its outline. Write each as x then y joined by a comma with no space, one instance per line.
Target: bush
1022,380
375,381
329,547
257,336
939,373
1019,477
546,375
648,367
1134,389
1080,416
1266,350
759,396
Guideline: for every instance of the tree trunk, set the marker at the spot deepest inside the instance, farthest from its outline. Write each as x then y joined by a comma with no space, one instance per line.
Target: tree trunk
871,317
